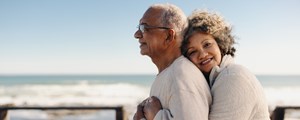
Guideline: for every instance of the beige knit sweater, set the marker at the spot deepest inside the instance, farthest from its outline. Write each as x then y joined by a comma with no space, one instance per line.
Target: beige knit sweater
237,94
182,91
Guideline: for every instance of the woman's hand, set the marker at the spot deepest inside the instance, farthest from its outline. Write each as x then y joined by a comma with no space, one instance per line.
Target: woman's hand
151,107
139,115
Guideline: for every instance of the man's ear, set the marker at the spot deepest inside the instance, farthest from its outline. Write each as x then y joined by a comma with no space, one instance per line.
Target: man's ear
170,36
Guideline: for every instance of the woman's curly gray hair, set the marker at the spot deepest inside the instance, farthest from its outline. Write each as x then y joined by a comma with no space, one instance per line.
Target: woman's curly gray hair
213,24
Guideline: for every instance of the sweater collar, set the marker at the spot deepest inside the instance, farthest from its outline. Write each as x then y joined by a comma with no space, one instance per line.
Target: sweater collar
216,70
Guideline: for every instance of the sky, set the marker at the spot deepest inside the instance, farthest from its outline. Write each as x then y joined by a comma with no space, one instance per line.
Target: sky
96,36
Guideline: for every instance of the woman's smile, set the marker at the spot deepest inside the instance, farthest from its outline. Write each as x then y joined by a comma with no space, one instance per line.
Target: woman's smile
207,61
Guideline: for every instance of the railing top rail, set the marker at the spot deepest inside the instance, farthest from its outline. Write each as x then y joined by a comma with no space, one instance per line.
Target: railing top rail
287,107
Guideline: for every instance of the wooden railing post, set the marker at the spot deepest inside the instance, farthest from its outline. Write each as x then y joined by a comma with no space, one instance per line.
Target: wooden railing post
119,114
4,112
3,115
278,113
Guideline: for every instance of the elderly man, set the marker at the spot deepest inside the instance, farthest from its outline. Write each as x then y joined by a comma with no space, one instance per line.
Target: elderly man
179,85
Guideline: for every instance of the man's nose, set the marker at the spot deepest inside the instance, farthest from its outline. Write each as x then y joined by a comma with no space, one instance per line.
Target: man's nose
138,34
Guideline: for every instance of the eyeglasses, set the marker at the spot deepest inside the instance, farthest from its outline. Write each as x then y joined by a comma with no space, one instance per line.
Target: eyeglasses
143,27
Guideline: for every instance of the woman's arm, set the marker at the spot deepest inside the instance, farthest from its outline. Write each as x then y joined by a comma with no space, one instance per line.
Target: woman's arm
238,91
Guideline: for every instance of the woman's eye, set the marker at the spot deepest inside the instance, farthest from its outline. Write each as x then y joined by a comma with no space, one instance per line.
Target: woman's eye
206,45
191,53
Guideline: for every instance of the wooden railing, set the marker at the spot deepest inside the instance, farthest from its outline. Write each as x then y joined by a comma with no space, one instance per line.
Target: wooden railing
279,112
120,112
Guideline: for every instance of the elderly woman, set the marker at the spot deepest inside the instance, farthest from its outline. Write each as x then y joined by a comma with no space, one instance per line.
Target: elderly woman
236,93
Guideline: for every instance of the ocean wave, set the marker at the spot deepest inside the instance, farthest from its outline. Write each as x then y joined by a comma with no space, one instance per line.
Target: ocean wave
82,93
282,96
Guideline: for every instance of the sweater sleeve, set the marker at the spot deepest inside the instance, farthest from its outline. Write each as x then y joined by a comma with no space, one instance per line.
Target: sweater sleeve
234,97
163,114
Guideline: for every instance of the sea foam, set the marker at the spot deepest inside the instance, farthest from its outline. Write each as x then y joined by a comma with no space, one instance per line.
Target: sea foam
81,94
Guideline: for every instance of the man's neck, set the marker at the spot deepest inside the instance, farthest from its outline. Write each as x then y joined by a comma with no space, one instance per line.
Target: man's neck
165,60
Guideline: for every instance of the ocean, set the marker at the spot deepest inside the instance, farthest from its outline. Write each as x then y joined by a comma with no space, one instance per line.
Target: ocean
111,90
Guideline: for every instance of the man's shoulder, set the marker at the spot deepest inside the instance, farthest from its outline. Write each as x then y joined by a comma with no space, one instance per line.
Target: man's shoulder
183,68
183,63
186,76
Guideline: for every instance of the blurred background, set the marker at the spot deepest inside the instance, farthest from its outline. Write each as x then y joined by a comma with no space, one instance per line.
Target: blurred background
73,52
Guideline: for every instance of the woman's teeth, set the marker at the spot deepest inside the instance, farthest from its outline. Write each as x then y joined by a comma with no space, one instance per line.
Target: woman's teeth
206,61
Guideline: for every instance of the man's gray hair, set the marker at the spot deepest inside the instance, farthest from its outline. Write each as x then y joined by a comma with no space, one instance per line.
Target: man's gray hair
173,17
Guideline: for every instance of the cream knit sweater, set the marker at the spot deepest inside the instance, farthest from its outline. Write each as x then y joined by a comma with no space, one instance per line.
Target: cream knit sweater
237,94
183,92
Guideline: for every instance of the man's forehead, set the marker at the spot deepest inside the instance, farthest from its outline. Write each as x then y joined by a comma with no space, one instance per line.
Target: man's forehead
151,15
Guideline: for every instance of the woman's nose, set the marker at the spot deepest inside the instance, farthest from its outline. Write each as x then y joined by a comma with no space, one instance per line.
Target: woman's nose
202,54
